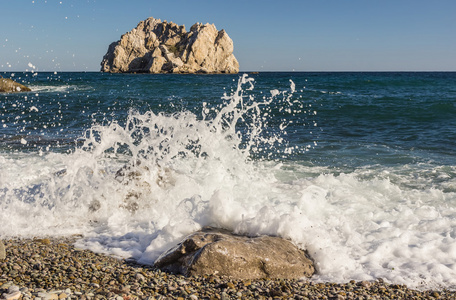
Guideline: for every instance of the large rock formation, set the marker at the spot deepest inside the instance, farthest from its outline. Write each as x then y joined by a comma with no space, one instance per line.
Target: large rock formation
162,47
10,86
219,252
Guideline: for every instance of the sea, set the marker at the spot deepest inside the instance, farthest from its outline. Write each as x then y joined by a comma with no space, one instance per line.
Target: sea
357,168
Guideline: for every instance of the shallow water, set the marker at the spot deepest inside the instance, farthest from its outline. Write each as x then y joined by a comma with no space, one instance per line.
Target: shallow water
357,168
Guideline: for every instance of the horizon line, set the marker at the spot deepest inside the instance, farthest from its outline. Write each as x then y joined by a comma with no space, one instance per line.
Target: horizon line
246,71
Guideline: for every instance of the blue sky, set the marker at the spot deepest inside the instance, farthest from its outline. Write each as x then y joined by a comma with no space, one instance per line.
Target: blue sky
286,35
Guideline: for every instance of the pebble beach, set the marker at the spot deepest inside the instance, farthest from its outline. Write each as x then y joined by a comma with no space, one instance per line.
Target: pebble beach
53,268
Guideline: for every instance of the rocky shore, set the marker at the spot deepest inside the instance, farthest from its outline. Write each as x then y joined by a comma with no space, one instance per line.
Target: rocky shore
55,269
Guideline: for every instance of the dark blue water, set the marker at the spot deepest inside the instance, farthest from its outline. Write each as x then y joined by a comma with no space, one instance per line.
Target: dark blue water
350,119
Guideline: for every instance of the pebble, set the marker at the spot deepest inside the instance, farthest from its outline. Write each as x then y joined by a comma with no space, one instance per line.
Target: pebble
2,251
51,268
12,295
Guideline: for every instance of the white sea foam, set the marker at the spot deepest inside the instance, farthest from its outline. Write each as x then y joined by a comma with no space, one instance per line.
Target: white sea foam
134,190
53,88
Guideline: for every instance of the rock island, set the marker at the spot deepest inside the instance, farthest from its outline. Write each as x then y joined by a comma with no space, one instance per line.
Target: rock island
165,47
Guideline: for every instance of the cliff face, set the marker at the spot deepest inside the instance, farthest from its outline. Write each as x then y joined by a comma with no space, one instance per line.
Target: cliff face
161,47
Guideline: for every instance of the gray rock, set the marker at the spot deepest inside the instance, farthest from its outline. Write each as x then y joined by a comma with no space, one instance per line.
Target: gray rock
12,295
10,86
213,251
2,251
13,288
162,47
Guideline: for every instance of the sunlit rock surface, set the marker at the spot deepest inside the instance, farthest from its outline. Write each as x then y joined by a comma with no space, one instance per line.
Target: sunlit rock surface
161,47
10,86
218,252
2,251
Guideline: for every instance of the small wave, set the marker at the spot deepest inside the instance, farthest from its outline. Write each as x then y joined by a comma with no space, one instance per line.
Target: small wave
56,88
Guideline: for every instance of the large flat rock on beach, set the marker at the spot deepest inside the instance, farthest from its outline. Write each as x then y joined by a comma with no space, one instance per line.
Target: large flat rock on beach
219,252
10,86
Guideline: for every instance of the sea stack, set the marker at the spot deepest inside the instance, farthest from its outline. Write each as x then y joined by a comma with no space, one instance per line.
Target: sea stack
165,47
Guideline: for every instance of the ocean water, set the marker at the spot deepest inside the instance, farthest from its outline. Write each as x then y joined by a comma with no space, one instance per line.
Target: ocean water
357,168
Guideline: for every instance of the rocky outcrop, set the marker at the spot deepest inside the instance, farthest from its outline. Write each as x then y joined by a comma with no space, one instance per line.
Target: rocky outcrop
161,47
219,252
10,86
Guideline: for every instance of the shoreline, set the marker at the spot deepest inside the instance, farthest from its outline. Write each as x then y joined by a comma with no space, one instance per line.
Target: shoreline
52,268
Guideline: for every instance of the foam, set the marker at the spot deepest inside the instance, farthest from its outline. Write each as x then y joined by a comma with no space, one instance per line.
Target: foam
53,88
135,189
